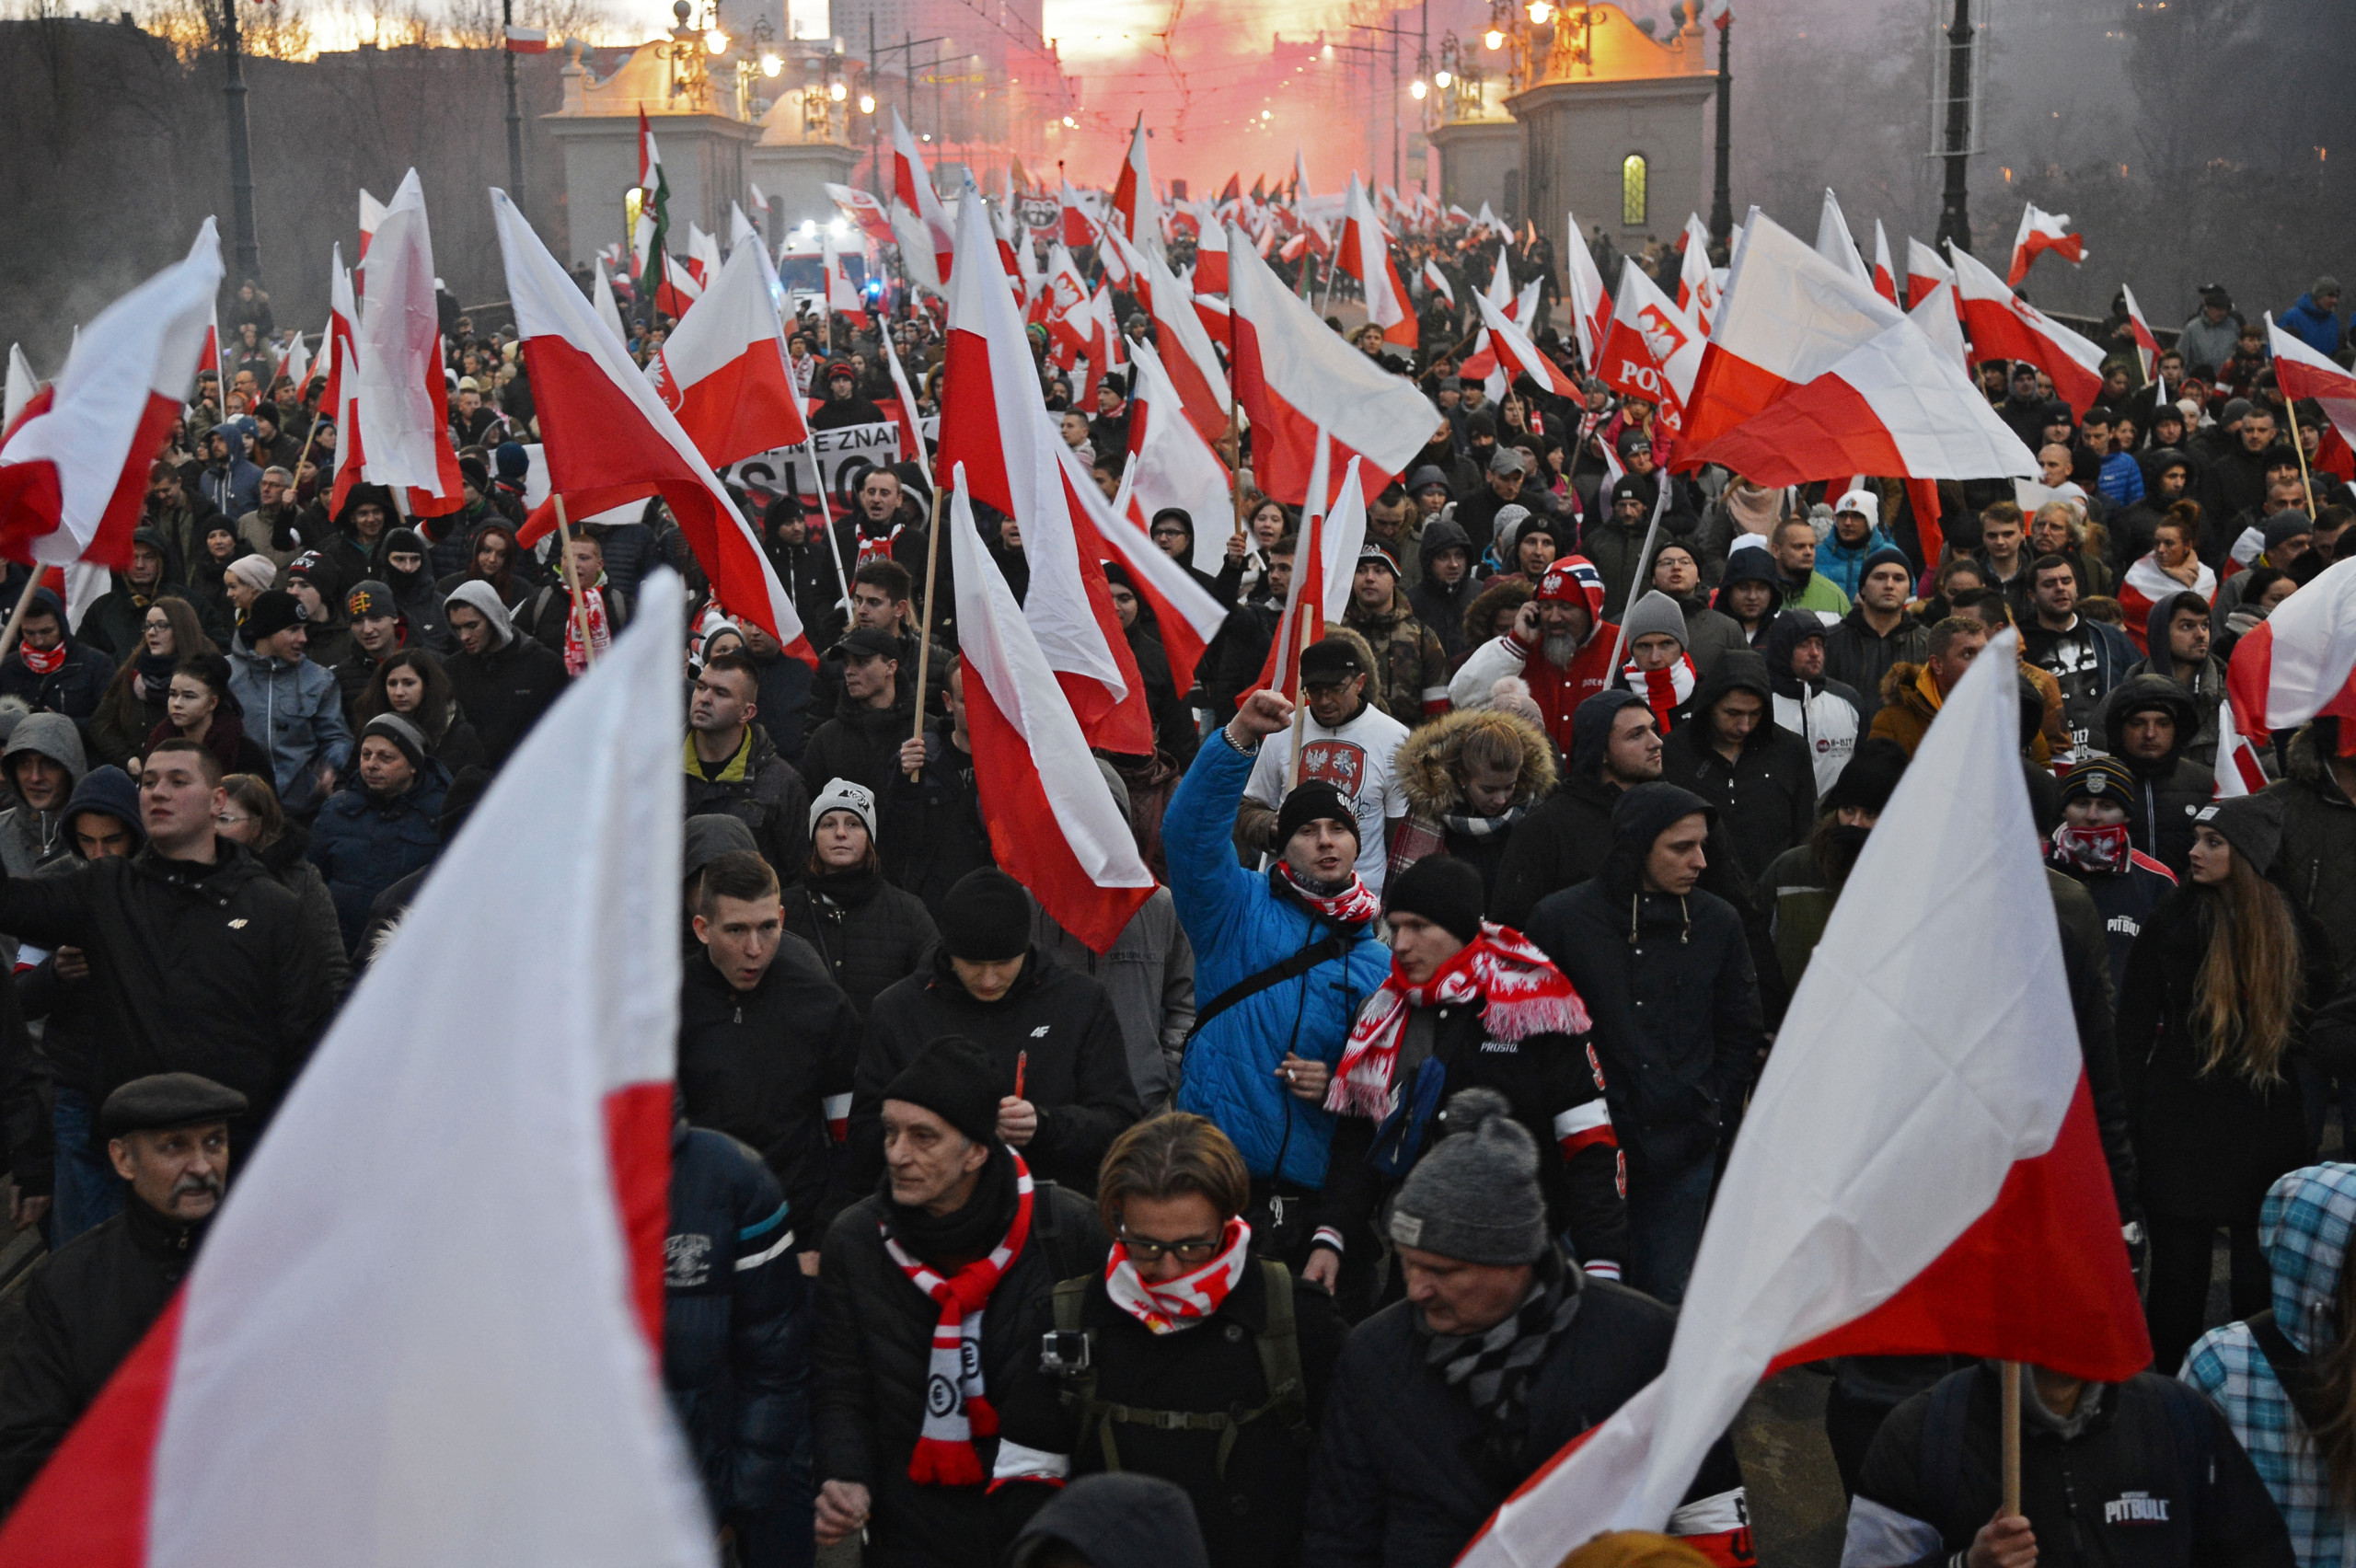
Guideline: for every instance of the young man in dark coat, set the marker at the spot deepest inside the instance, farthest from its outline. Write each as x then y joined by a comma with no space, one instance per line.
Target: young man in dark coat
956,1241
862,742
1730,751
2146,723
502,679
1666,971
734,769
930,816
1051,1031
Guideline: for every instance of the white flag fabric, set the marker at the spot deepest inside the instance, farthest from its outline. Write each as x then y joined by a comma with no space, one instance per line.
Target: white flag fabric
403,409
1836,245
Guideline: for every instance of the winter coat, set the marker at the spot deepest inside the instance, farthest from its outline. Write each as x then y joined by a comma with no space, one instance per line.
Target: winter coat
1400,1478
1410,664
2173,787
1250,1515
212,967
1563,841
1910,700
737,1323
2303,1229
874,1363
1709,634
929,828
869,934
73,688
1149,975
287,859
2317,864
547,616
2125,899
363,845
233,488
772,1067
761,789
861,744
1613,548
116,623
2207,1144
295,710
1239,924
1436,604
28,838
2202,341
2128,1491
1236,654
2312,325
1767,795
1858,656
1844,566
1558,692
1438,819
504,690
84,1309
1821,712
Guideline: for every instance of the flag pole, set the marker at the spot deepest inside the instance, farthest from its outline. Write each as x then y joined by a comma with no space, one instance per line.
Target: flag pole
924,624
2009,1429
572,585
24,605
1652,536
1309,608
308,436
2291,408
1235,438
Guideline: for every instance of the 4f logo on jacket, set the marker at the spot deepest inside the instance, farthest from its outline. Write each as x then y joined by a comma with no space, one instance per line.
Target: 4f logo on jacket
2135,1508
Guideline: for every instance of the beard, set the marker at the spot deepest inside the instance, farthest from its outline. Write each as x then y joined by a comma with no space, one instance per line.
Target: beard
1560,649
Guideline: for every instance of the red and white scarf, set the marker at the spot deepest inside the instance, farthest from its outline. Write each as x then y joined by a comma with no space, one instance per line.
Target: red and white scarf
956,1410
1664,691
1521,994
42,661
1186,1300
876,546
1353,905
601,633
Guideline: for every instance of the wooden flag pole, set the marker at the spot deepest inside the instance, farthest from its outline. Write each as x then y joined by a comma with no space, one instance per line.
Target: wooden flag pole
924,623
2291,407
572,585
2009,1430
1309,608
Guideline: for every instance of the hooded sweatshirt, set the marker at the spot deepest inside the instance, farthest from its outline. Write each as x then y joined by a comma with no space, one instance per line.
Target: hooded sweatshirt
1438,605
1766,795
2172,786
1823,713
29,839
2207,686
1749,564
421,602
505,688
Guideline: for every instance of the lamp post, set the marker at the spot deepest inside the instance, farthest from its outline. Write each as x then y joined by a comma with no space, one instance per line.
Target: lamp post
241,158
1955,206
514,112
1721,190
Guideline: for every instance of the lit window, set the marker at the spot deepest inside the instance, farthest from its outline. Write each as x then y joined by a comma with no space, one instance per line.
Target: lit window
1632,191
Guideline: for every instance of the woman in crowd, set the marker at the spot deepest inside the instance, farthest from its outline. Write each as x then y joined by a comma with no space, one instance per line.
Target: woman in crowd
495,560
414,684
200,707
868,932
133,705
253,819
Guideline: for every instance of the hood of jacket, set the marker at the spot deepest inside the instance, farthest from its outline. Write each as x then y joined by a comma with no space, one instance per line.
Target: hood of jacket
483,599
1116,1519
2307,764
1903,685
1784,635
55,736
1739,669
2155,634
1591,727
1443,534
107,790
707,836
360,494
1426,761
2304,1228
1639,816
2139,695
1751,564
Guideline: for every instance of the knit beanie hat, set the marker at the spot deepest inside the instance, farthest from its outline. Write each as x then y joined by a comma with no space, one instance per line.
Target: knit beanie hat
2286,525
842,795
1313,800
256,571
1474,1198
1869,777
1889,554
986,918
270,614
1654,614
2251,824
2100,779
402,733
956,1081
1443,890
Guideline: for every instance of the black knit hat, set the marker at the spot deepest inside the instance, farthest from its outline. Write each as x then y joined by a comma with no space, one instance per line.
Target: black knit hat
270,612
956,1081
1443,890
986,918
1313,800
1869,777
2251,824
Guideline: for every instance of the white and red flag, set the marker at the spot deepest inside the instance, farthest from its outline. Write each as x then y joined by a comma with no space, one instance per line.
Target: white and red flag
995,429
342,399
1052,823
609,439
1211,259
75,459
1652,349
295,363
918,221
1884,278
1106,348
1811,375
1295,377
23,387
1936,316
1589,301
1836,245
1330,532
1697,288
1480,362
2301,373
2144,586
1171,465
722,372
2041,232
1929,1144
843,297
2147,347
1925,271
864,211
2298,663
526,41
1188,358
359,1370
1184,616
1075,223
404,396
1135,212
1517,356
601,295
1070,317
1436,280
1365,256
372,213
1217,319
2004,326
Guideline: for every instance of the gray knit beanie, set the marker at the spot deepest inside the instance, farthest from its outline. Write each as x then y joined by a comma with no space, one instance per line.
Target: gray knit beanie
1655,612
1474,1196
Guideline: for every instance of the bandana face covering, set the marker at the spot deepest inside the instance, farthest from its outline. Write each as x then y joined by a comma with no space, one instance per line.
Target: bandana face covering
2093,848
1183,1302
42,661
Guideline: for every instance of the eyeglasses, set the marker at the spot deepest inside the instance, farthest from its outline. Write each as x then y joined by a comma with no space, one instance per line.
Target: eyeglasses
229,819
1145,1252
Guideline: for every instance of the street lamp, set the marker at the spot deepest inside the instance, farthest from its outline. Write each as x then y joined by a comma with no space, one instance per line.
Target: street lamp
1540,12
867,103
1493,38
1441,79
772,65
837,91
716,42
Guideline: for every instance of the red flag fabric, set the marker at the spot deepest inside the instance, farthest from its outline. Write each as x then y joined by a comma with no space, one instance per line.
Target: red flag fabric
1187,354
1654,349
1133,199
723,370
1365,256
2004,326
2041,232
404,396
927,244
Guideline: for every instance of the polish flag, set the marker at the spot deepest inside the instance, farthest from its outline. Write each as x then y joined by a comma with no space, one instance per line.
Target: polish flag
2144,587
1190,360
2147,347
679,291
608,311
1814,376
1652,349
1106,344
1186,617
996,432
1436,280
1481,363
1124,267
703,255
1295,377
2299,372
918,219
1517,356
495,1393
404,397
372,214
2041,231
23,387
609,439
1133,192
722,373
1211,259
1070,315
2004,326
843,297
1930,1144
1217,319
865,213
1590,303
1075,224
1365,256
1925,271
341,401
1835,243
1885,280
1697,289
526,41
2296,665
1936,316
1331,535
1052,823
296,365
74,460
1172,465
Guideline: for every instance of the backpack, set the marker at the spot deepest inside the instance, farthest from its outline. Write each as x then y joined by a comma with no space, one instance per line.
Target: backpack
1279,1348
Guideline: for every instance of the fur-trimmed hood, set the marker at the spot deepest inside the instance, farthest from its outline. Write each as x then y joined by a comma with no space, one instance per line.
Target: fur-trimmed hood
1427,758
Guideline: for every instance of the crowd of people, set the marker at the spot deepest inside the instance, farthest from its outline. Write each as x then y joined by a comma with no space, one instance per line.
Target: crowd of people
1368,1166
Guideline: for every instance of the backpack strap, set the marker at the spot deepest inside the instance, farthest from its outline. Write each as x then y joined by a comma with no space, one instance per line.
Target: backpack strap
2293,1369
1939,1459
1279,1347
1332,945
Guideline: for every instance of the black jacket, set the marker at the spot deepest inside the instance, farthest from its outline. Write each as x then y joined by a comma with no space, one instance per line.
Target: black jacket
1400,1479
1076,1068
873,1367
1767,795
1236,653
764,792
861,744
547,615
73,688
213,969
869,934
1858,656
86,1309
2155,1479
2172,786
929,828
1250,1517
504,690
762,1065
1436,604
737,1322
1563,841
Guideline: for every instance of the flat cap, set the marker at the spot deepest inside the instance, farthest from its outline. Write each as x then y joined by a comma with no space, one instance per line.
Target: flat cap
164,1100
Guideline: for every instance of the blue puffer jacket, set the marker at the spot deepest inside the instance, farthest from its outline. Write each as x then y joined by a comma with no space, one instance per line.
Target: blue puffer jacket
363,846
1842,566
295,713
1240,926
2312,325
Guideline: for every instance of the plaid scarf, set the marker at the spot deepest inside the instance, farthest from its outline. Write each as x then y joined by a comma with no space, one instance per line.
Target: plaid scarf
1186,1300
956,1410
1493,1370
1664,691
1355,905
1520,994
